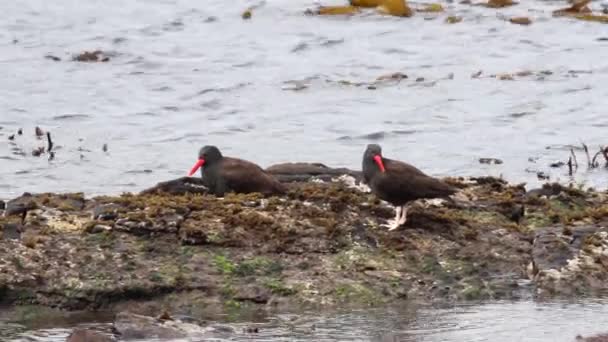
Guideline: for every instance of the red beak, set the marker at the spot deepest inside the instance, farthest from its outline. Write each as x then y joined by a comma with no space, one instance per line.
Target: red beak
196,166
378,160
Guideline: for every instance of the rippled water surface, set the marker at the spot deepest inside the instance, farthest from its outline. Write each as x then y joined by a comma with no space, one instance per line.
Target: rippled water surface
283,87
501,321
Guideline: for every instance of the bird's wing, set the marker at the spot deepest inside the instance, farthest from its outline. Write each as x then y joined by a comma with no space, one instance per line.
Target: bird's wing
244,176
401,179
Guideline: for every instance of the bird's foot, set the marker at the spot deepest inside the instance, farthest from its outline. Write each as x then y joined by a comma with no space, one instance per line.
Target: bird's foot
391,224
394,226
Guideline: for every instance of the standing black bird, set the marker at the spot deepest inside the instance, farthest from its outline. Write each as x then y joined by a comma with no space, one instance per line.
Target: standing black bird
399,183
224,174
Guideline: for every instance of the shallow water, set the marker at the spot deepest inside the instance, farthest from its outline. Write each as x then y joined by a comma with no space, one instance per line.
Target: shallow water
188,73
498,321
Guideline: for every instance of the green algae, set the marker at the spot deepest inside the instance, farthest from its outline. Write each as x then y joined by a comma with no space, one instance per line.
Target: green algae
278,287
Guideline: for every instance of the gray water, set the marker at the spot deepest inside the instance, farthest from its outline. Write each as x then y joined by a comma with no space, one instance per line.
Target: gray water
185,73
497,322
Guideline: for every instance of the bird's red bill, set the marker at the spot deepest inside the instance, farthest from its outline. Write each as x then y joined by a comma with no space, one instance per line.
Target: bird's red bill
196,166
378,160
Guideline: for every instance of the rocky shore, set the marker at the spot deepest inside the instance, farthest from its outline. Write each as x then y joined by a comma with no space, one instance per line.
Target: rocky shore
177,248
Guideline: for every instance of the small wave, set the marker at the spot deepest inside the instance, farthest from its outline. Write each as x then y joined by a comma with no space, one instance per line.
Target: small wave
146,114
71,117
138,172
181,137
377,136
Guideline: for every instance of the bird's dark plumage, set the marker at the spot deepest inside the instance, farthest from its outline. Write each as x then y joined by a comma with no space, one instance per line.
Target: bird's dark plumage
397,182
224,174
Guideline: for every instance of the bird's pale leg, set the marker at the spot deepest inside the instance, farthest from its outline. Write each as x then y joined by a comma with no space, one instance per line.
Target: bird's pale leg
392,224
402,218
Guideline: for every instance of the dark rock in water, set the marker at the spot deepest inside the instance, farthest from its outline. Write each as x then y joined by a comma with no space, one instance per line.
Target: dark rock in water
573,261
303,172
131,326
53,58
20,205
490,161
180,186
12,231
2,205
91,56
87,335
557,164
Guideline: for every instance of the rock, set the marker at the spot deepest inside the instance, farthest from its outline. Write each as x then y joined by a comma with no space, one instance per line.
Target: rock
12,231
131,326
20,205
106,212
87,335
490,161
570,262
549,189
53,58
180,186
595,338
253,293
91,56
303,172
2,205
322,243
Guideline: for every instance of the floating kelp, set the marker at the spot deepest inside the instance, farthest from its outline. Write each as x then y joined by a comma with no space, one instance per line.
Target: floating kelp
366,3
452,19
92,56
499,3
581,11
520,20
577,8
397,8
431,8
336,10
246,14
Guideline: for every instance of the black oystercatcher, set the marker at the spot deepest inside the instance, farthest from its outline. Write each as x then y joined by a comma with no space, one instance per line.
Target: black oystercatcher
224,174
399,183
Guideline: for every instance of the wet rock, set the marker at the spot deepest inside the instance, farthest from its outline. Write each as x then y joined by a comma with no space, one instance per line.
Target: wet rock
132,326
595,338
180,186
53,58
490,161
87,335
548,189
2,205
253,293
303,172
20,205
321,243
572,262
106,212
12,231
92,56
